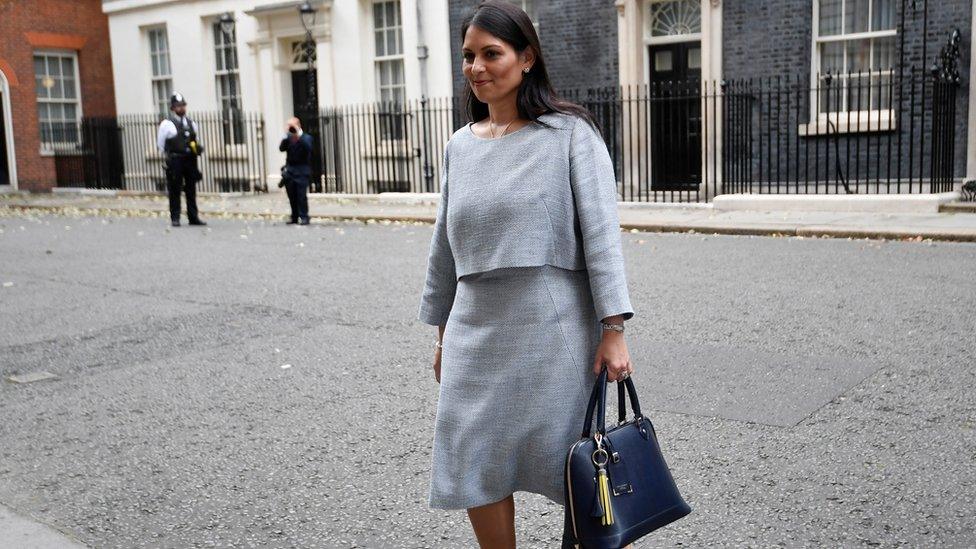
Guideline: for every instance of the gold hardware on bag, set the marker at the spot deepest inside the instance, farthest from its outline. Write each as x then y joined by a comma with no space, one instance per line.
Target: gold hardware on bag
603,509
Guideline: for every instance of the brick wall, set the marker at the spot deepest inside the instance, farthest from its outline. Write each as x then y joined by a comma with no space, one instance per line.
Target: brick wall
769,38
77,25
579,41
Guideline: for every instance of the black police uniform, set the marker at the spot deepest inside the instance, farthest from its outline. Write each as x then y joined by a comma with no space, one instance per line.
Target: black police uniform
181,169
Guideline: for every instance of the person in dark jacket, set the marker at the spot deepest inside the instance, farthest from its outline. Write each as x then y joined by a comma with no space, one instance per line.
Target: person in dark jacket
298,169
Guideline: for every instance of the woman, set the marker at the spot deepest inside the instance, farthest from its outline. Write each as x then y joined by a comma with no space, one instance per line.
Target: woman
525,264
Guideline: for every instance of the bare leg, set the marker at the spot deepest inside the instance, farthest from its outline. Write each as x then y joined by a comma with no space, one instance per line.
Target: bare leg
494,524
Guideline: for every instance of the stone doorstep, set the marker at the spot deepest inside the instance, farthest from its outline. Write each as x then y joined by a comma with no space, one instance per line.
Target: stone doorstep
958,207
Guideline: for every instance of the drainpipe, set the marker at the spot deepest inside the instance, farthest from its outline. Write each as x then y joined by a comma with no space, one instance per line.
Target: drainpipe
971,126
422,55
421,49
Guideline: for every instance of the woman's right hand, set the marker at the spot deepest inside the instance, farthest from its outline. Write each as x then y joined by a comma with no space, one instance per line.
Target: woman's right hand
437,352
437,364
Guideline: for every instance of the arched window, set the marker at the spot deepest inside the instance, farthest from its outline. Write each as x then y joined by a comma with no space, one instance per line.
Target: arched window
674,17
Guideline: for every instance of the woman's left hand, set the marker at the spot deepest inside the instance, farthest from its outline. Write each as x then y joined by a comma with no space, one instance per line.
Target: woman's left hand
613,353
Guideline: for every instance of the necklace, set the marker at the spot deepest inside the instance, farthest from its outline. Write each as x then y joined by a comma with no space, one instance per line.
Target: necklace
492,133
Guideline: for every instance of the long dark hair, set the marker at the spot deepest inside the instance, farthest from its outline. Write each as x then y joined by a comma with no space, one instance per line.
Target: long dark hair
536,96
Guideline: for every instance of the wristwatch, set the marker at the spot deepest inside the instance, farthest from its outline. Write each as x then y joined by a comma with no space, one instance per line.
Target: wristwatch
614,327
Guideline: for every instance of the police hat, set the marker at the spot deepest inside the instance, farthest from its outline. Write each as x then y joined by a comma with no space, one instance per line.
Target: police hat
176,99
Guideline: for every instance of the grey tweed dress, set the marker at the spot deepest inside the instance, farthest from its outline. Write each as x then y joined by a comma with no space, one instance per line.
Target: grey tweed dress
527,230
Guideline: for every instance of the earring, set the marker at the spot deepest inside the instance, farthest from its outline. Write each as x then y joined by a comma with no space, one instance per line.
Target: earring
526,70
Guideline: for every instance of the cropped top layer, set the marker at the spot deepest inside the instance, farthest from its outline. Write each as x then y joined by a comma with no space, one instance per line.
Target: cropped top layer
537,196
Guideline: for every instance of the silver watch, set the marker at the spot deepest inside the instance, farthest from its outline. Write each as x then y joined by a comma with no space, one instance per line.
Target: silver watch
614,327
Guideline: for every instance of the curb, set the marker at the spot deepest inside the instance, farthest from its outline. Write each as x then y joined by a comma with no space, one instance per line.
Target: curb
145,212
754,230
861,203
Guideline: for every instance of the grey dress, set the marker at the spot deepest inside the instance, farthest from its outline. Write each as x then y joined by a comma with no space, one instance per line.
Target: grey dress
524,262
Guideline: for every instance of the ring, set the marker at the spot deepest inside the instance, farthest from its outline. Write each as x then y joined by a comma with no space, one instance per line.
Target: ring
624,375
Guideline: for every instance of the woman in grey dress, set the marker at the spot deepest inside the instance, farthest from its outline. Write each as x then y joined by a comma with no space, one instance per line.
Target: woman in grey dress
525,280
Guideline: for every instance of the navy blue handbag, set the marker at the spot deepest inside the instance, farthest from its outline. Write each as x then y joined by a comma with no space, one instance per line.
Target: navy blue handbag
618,487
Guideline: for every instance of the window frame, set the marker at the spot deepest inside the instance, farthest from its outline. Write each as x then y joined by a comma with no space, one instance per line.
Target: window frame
865,120
233,131
48,147
160,104
393,131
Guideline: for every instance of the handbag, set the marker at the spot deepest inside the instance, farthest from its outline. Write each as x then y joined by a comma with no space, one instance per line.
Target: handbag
617,485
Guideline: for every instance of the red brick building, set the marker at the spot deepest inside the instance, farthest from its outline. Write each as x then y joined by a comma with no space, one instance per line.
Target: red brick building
55,67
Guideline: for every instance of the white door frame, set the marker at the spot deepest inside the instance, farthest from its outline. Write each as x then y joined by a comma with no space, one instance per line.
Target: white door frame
8,125
634,69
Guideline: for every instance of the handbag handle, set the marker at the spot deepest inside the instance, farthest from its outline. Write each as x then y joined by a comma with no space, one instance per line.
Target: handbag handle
598,402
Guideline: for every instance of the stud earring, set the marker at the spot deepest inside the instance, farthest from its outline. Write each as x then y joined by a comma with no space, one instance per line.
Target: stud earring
526,70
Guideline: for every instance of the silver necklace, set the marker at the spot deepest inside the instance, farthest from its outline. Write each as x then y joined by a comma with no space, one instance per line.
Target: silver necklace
492,132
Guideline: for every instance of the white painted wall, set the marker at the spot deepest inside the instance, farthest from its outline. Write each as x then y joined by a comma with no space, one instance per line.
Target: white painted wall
346,55
346,73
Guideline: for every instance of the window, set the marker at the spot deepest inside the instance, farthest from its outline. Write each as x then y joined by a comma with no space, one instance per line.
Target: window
228,84
300,57
854,54
391,87
162,74
58,103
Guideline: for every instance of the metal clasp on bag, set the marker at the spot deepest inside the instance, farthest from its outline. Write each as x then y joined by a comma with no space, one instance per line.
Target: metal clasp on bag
599,450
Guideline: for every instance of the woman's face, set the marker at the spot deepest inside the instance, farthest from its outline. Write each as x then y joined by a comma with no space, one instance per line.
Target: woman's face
492,66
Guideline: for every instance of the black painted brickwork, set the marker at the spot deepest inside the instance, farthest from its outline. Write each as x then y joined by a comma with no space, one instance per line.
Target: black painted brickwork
579,41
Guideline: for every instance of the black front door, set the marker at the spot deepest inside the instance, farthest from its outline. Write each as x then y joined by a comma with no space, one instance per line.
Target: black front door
675,116
4,162
310,123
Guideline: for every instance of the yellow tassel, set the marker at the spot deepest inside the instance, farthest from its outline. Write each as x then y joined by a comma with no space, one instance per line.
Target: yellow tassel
604,493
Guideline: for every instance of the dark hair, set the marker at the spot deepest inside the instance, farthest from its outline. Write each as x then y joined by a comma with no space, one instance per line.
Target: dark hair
536,97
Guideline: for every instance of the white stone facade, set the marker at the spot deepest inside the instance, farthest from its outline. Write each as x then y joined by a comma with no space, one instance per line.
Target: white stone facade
265,31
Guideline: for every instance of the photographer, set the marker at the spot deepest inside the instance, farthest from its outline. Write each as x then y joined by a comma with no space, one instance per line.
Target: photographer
298,169
177,139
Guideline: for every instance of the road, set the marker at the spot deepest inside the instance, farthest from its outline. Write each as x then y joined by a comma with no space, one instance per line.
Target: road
250,384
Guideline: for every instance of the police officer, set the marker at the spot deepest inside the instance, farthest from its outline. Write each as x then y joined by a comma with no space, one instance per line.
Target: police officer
298,169
177,139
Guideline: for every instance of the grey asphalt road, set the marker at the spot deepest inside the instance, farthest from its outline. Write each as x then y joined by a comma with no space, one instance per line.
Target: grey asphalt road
250,384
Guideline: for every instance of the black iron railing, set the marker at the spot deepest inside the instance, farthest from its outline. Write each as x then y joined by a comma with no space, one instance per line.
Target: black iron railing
869,132
884,132
383,147
120,153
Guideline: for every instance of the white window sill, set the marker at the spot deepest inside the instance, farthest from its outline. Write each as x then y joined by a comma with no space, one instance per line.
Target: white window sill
66,151
841,123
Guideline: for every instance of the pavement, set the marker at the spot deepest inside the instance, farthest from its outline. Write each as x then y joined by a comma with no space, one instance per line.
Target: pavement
26,533
251,384
956,223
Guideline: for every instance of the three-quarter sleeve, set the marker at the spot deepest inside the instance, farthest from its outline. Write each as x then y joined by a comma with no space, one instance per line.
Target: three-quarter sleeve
595,194
441,283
